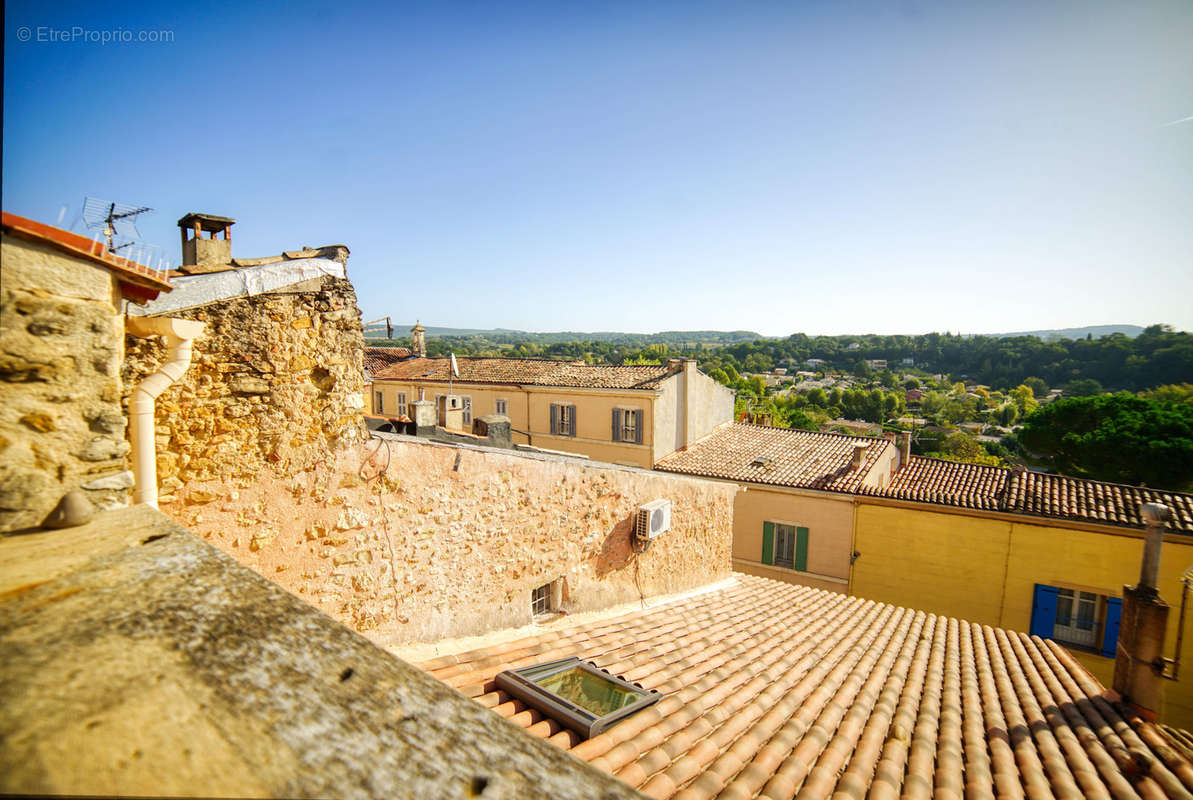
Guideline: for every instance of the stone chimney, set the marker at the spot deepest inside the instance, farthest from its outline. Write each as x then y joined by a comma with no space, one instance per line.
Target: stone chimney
199,253
1139,663
419,336
859,456
904,443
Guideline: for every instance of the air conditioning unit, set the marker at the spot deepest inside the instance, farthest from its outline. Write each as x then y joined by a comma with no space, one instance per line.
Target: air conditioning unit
653,518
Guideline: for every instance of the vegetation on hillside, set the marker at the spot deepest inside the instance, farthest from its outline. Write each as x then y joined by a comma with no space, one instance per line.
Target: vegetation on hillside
1157,356
1116,437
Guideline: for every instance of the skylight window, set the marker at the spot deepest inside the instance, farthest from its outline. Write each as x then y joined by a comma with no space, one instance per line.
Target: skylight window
761,461
577,694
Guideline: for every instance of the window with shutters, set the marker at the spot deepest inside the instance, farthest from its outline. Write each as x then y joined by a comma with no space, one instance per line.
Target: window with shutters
378,404
467,401
1085,620
402,410
563,420
627,425
785,545
502,407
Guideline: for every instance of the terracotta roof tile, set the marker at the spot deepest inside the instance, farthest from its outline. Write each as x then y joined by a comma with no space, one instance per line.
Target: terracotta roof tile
1096,501
97,252
776,690
933,480
951,483
378,358
779,457
533,372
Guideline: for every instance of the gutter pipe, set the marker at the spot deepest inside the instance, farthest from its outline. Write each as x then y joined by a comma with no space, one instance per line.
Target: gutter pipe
179,335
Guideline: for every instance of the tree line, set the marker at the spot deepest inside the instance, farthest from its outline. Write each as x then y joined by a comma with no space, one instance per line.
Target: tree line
1159,355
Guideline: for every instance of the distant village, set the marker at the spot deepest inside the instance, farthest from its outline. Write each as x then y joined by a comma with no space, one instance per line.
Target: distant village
249,553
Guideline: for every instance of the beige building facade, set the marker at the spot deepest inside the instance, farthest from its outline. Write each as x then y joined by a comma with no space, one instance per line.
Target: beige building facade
631,415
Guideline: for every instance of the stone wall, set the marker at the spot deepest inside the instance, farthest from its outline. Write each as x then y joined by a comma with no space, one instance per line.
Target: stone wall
424,541
275,384
61,342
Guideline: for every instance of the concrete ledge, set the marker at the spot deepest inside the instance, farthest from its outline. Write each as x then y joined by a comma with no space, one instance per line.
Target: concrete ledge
135,659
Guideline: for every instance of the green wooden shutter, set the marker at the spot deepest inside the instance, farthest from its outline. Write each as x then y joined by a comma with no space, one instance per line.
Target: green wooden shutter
801,549
768,543
617,424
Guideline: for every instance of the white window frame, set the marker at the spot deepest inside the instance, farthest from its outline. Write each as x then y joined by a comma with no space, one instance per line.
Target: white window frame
1079,618
466,406
501,406
402,410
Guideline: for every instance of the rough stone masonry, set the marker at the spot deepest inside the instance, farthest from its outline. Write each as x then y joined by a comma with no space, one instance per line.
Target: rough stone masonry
275,383
61,426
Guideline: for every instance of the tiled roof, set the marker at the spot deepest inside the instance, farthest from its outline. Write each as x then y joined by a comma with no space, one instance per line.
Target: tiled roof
529,371
129,272
1096,501
378,358
789,457
774,690
932,480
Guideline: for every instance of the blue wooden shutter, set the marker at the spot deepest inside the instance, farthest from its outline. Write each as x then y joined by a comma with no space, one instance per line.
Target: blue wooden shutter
638,427
801,549
554,419
1114,613
617,424
768,543
571,421
1043,611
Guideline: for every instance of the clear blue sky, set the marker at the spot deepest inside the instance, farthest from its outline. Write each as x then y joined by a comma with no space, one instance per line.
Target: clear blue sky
826,167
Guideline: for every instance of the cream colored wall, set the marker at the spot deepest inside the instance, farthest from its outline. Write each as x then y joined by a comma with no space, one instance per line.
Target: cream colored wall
710,405
828,518
594,424
984,569
668,423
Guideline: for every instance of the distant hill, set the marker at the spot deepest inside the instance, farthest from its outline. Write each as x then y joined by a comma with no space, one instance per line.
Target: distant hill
509,336
1097,331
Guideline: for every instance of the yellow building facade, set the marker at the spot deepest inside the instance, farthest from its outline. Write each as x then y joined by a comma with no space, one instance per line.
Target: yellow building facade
985,567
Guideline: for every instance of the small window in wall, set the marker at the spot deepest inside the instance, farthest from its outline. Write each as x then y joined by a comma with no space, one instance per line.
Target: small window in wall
402,404
563,420
627,425
502,407
1077,618
378,404
540,600
785,545
467,410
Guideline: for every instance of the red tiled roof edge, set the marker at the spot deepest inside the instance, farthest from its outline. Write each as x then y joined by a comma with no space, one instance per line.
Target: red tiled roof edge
130,272
1011,498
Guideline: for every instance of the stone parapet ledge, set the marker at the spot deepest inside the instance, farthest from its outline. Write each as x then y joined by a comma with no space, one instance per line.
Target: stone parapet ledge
135,659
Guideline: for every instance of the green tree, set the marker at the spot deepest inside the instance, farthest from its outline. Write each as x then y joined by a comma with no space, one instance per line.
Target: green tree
1037,386
1172,393
1083,387
1116,437
1024,398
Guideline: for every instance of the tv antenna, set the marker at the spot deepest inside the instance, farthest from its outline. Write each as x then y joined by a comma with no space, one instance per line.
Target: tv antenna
115,220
